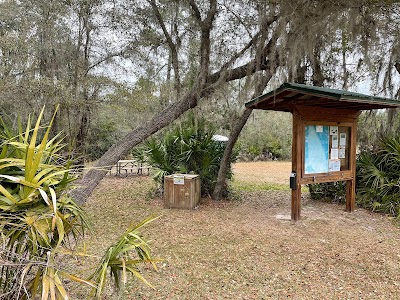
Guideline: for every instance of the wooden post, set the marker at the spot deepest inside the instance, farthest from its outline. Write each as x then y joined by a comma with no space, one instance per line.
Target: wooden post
351,184
297,163
350,195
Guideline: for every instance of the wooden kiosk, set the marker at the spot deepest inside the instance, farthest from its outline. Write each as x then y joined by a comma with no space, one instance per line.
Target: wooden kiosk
324,134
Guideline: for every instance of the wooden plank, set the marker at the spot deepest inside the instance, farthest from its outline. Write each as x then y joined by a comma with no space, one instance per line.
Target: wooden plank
350,195
168,191
332,177
327,114
329,123
298,137
351,184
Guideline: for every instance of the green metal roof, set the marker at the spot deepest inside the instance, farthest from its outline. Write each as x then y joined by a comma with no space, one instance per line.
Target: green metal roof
289,94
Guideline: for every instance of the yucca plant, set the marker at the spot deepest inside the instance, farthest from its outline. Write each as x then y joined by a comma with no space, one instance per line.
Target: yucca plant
33,218
118,259
38,219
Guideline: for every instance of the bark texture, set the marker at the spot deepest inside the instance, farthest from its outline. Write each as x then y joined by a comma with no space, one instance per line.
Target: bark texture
393,112
220,186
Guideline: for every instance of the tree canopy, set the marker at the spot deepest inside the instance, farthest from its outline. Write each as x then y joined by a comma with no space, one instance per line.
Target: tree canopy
134,66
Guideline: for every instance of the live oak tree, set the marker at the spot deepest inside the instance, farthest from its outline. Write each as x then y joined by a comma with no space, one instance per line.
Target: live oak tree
73,51
314,49
282,38
202,84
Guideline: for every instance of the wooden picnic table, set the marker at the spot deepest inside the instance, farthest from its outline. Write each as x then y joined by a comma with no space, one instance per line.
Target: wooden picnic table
130,165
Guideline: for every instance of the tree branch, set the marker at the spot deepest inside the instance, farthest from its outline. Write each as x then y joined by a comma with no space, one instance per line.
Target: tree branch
397,66
250,67
211,13
196,11
171,44
100,61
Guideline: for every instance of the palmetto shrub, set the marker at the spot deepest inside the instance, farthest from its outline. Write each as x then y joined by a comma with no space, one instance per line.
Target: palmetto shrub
378,177
39,222
187,148
330,191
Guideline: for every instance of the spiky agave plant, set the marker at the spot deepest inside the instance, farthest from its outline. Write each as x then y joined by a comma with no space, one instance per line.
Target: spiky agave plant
37,218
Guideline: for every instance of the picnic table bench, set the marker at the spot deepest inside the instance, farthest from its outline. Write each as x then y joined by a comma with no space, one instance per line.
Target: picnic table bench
129,165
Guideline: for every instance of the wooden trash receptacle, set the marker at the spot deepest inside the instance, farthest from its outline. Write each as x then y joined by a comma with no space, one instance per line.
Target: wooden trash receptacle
182,191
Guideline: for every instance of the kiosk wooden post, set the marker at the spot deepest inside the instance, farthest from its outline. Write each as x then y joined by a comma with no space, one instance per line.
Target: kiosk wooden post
351,184
324,134
296,165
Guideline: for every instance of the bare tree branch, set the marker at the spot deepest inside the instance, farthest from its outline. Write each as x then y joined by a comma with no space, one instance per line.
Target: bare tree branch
171,44
196,12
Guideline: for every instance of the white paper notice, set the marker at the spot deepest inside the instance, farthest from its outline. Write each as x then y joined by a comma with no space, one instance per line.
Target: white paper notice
179,179
334,153
319,128
334,130
342,153
335,142
342,139
334,165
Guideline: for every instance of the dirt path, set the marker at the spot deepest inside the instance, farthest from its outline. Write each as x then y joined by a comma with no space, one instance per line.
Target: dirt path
249,249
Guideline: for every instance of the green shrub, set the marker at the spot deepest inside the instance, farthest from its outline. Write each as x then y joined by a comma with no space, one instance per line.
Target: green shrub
378,177
330,191
267,135
186,148
254,151
39,222
101,137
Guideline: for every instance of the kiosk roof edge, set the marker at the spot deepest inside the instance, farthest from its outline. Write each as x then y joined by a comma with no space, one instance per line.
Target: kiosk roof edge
293,93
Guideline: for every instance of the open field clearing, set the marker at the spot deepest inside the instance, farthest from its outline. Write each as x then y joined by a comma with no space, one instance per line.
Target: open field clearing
248,248
263,172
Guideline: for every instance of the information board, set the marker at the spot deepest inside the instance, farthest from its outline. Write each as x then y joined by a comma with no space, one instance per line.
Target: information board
316,158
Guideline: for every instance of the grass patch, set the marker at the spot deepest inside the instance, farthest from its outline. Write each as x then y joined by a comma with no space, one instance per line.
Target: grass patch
240,250
254,187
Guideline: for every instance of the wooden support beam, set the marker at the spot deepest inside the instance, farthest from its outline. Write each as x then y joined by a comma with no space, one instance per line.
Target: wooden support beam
298,137
296,204
351,184
350,195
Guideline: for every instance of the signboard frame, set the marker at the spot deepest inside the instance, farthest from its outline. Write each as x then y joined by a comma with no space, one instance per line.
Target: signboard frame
341,121
321,104
333,149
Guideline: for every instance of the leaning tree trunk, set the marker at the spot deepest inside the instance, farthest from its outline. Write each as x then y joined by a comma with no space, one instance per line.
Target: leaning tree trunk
89,182
393,112
205,86
220,186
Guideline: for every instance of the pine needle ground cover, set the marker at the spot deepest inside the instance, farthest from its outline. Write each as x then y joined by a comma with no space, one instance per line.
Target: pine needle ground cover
248,249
